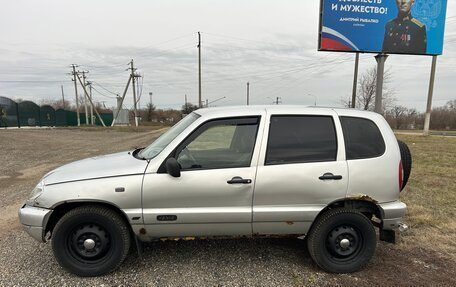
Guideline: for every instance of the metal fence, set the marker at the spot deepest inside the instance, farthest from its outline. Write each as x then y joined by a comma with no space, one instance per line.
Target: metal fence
28,113
8,112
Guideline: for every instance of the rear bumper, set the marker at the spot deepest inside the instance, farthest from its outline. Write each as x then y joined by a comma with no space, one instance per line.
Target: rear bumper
392,214
33,220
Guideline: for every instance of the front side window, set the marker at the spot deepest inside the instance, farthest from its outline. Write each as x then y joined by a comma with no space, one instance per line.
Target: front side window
226,143
300,139
158,145
362,138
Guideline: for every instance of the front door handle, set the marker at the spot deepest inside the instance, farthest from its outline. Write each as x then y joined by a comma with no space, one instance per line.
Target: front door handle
329,175
238,179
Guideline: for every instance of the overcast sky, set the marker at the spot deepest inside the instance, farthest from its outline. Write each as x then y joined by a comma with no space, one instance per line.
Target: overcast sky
271,44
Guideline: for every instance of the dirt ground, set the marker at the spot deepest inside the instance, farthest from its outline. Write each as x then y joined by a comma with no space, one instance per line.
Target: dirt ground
27,154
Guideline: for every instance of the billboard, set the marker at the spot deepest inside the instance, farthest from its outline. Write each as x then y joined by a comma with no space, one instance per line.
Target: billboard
389,26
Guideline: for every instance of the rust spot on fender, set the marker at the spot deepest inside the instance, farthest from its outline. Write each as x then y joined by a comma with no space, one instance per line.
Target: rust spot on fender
142,231
364,197
289,222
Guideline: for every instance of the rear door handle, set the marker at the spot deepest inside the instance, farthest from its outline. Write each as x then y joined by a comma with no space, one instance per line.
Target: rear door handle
239,180
329,175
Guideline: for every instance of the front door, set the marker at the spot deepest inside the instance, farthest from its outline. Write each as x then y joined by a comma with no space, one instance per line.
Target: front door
213,196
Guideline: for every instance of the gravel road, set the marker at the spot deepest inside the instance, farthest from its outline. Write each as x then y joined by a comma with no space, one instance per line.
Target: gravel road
26,155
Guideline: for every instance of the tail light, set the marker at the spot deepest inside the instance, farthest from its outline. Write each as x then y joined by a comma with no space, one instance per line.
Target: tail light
401,176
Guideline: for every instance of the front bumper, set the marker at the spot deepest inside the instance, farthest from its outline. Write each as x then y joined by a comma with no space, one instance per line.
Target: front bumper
34,220
392,214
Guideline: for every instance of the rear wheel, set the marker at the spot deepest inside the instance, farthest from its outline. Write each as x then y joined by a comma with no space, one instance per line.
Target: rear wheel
342,241
90,241
406,158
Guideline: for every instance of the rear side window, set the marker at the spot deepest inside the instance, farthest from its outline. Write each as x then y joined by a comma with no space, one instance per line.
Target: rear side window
362,138
300,139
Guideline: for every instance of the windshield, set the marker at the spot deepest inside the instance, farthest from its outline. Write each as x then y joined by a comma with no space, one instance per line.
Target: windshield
159,144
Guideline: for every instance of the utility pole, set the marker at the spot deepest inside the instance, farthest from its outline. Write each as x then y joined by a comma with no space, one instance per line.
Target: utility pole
199,70
63,97
91,98
76,93
150,95
132,75
85,97
277,100
207,103
355,81
121,101
248,91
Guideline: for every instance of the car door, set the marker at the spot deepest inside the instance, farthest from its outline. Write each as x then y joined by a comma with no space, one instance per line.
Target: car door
302,168
213,195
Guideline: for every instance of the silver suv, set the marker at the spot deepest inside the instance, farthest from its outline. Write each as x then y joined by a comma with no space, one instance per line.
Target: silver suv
330,175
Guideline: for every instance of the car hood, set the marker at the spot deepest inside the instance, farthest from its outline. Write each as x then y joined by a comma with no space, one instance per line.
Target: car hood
117,164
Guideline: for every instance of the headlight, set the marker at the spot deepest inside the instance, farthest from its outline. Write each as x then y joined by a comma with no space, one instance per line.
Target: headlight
36,192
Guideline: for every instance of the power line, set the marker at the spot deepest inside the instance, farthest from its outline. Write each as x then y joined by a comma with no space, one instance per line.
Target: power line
98,84
170,40
243,39
102,94
102,66
162,52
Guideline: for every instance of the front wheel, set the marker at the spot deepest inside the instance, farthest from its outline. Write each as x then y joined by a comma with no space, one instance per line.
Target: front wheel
90,241
342,241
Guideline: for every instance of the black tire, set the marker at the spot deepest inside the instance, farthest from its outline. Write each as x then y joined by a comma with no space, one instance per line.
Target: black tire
335,227
406,158
90,241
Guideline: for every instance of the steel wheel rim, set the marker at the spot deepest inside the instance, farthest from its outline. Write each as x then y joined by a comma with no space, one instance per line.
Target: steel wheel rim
344,242
89,243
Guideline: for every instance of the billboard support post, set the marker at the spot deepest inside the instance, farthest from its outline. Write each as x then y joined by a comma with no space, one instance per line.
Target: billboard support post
381,59
355,81
427,119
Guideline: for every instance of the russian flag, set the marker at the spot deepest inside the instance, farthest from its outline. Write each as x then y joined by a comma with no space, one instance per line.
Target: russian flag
333,40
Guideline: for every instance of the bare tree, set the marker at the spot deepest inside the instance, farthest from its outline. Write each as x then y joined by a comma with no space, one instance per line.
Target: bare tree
398,115
444,118
451,105
366,90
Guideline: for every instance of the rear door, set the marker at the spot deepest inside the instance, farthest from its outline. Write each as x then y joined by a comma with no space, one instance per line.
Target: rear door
302,168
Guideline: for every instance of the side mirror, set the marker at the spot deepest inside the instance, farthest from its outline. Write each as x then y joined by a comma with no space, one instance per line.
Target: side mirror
173,167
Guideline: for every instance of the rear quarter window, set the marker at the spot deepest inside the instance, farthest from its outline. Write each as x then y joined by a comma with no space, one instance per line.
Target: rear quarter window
362,138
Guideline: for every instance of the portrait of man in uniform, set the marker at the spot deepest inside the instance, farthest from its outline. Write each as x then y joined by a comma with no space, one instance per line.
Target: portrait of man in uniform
405,34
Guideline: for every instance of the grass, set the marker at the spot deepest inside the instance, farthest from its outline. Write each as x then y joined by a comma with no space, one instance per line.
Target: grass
432,132
431,193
